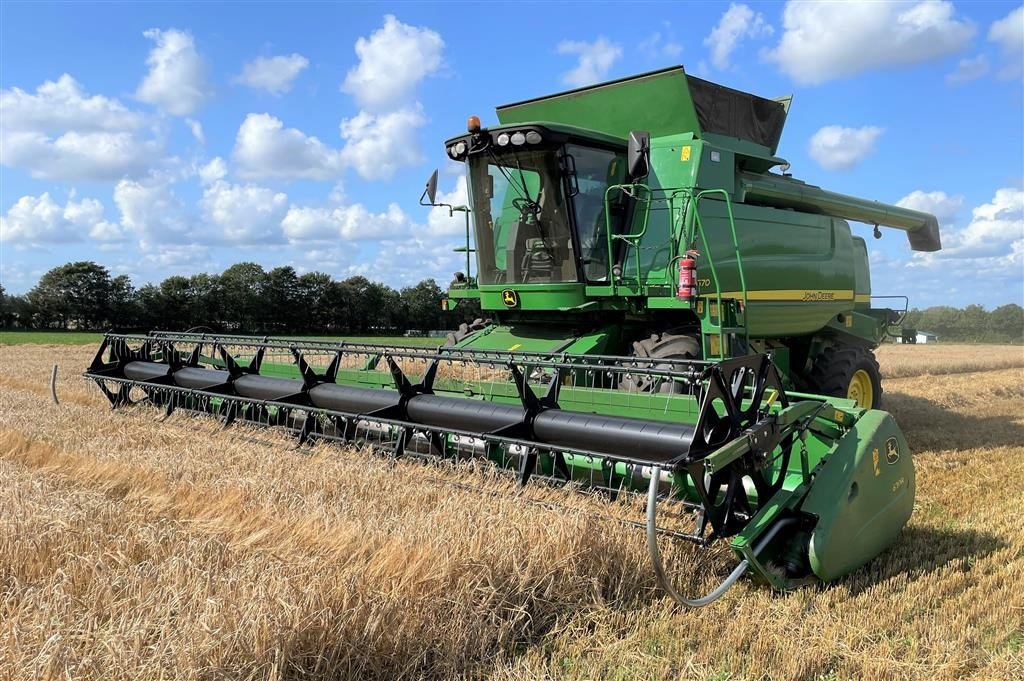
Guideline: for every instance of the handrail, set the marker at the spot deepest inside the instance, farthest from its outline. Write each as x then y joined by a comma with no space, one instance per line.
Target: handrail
736,249
628,190
689,229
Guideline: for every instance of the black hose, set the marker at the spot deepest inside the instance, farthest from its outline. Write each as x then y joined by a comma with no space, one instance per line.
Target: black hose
659,568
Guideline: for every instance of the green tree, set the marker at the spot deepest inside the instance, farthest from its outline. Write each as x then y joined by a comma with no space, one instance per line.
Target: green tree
422,306
283,300
1006,323
6,312
243,289
206,303
76,294
353,303
123,309
174,304
314,310
150,302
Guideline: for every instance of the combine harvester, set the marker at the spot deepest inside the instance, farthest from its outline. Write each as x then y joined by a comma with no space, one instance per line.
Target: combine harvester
658,299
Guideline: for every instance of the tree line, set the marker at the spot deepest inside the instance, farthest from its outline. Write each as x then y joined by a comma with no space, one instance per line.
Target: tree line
972,324
244,298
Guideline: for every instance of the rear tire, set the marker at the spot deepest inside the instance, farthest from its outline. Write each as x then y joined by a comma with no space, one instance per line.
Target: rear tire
660,346
847,371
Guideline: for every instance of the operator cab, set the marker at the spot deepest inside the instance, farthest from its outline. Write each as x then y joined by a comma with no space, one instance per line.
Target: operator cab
537,196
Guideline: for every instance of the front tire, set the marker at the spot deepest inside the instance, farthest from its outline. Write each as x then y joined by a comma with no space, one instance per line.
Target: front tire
847,371
663,346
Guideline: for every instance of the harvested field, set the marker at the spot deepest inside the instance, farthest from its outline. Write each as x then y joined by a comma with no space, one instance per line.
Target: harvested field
133,549
899,361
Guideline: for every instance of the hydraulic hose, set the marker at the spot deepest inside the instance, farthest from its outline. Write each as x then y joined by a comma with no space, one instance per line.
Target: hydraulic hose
659,568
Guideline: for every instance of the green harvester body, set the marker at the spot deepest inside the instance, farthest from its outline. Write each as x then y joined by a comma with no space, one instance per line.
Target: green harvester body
778,268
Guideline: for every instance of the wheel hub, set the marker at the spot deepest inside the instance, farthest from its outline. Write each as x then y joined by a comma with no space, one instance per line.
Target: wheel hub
861,390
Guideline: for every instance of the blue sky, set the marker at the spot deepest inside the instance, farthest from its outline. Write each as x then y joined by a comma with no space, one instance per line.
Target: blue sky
177,138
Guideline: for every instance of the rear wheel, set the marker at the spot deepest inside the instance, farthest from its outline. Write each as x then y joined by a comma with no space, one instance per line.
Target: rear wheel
661,346
847,371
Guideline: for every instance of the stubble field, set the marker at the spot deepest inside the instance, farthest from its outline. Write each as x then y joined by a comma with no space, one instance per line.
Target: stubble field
131,549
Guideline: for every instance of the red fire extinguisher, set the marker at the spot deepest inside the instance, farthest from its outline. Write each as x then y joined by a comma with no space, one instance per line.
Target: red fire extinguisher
687,276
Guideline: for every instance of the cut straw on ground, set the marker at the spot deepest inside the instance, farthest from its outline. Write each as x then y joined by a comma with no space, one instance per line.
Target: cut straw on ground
134,549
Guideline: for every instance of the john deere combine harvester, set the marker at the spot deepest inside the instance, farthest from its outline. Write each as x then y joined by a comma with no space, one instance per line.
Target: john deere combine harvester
646,289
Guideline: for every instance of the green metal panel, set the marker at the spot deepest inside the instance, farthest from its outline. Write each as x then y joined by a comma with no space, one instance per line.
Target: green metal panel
526,337
657,102
798,267
534,296
861,273
862,496
675,162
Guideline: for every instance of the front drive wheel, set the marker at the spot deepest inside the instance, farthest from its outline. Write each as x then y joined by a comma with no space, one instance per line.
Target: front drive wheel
850,372
663,346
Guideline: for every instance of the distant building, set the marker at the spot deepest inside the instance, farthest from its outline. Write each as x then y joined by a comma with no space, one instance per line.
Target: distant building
912,336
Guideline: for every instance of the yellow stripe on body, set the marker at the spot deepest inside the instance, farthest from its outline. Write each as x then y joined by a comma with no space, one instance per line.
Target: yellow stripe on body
793,295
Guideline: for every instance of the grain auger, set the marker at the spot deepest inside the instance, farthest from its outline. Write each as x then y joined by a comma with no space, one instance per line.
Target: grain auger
804,487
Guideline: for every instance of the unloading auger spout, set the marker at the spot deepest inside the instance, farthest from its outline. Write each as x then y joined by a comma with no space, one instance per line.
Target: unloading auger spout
805,487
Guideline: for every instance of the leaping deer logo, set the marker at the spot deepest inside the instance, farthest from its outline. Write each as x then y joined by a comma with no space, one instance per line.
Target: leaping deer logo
892,450
510,298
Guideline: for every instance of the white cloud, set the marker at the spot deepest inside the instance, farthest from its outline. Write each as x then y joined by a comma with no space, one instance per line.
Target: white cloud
183,258
151,210
826,40
273,74
989,249
421,257
59,132
439,221
215,170
265,148
594,60
658,44
337,194
62,105
968,69
243,214
350,223
378,145
838,148
39,219
940,204
738,22
196,129
177,81
107,233
994,228
392,61
1008,32
90,156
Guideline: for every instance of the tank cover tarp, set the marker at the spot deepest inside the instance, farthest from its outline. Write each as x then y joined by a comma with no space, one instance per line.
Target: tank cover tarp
732,113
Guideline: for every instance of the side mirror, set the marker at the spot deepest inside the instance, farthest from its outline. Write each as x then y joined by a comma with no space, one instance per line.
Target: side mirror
430,193
638,154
